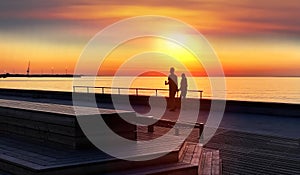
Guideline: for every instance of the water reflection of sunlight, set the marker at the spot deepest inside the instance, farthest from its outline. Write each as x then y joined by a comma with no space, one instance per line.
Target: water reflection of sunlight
238,88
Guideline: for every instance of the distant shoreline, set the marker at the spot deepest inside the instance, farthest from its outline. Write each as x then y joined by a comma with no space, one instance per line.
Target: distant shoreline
39,75
238,76
83,75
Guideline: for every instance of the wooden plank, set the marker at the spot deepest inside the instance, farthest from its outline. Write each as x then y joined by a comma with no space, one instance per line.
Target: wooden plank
38,134
182,151
201,164
197,155
41,126
207,164
41,117
189,153
54,108
221,167
216,163
175,168
25,153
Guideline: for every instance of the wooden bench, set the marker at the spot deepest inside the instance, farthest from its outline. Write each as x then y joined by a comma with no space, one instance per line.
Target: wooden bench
57,125
150,122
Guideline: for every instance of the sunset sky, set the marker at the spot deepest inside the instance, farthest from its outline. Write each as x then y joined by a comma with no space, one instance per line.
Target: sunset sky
251,37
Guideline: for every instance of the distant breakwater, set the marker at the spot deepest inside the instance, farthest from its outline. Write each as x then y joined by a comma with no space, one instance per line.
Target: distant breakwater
264,108
7,75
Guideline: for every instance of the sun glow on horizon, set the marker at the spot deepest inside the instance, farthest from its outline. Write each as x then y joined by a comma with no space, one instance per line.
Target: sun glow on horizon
157,54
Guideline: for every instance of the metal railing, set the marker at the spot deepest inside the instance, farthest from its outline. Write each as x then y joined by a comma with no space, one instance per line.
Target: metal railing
88,88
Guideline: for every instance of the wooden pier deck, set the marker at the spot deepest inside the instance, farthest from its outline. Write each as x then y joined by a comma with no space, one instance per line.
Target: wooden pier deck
245,153
22,157
28,128
242,152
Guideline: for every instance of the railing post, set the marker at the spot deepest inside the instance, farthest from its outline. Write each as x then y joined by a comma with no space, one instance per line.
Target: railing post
156,92
88,89
201,128
119,91
200,95
137,92
150,128
102,90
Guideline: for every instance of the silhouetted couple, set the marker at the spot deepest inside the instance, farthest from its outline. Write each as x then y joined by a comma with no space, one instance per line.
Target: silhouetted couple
173,88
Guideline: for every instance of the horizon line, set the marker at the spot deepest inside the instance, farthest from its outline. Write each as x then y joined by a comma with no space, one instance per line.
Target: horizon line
152,75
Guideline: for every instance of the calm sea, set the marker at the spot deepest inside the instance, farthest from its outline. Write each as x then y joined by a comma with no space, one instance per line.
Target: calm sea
266,89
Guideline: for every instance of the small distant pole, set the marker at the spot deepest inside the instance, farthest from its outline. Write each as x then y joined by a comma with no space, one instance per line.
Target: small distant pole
52,70
28,69
66,70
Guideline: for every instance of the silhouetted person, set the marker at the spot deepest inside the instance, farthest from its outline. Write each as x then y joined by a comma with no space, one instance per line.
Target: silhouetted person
173,88
183,86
